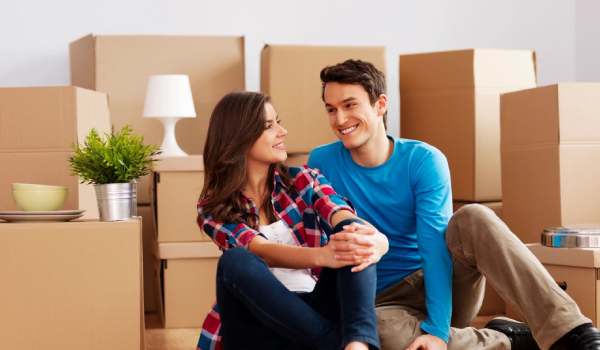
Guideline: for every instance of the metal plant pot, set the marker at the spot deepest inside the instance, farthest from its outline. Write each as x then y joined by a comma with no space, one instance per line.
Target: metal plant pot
117,202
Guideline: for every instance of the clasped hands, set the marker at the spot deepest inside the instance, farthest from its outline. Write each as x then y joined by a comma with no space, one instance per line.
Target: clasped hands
359,245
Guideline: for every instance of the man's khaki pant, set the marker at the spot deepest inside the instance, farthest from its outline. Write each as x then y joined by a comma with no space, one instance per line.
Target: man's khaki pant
481,246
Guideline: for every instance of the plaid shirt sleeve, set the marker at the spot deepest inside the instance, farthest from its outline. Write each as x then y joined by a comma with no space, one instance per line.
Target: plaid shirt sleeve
325,200
226,235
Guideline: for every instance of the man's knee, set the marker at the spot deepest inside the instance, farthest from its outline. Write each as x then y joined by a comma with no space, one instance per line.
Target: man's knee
471,212
398,327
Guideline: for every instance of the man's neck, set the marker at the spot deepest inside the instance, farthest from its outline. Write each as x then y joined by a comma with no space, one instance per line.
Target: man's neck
375,151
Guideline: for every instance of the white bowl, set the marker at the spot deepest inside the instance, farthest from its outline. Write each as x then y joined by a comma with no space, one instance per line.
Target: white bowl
34,187
40,200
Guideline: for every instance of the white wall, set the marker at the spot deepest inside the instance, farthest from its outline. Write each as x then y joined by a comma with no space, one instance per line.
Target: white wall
587,42
35,34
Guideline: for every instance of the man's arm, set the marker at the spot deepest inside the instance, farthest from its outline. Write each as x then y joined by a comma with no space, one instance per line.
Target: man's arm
430,181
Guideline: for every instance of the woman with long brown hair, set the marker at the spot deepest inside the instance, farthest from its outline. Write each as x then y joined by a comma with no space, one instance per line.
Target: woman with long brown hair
282,285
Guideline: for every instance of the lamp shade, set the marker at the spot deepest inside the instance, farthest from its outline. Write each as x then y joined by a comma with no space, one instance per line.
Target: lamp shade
169,96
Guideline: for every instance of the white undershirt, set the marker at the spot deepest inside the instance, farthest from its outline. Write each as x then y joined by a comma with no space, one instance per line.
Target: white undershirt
296,280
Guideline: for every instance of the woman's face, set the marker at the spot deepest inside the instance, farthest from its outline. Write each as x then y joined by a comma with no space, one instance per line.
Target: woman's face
269,148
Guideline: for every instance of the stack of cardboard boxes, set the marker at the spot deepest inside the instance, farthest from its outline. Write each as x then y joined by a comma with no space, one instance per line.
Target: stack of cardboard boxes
550,171
290,75
120,66
451,100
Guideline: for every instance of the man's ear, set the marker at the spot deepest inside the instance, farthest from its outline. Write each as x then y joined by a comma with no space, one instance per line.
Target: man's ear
381,105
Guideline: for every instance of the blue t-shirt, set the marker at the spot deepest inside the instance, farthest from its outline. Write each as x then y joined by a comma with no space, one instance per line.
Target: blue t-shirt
409,199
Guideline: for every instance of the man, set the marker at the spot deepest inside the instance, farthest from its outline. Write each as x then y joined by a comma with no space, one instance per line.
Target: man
431,282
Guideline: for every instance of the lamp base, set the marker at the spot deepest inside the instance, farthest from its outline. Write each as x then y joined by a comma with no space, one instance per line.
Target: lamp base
169,146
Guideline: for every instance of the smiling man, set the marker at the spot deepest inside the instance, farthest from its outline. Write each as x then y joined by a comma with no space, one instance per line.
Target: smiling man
430,284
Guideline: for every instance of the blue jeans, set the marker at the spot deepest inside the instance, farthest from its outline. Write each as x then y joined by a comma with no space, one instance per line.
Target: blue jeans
258,312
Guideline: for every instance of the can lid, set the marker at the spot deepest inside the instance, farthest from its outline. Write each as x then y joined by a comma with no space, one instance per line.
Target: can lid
588,229
572,236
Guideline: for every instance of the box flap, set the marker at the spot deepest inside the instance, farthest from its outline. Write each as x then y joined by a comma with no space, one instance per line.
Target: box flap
187,163
81,62
581,257
529,117
37,118
505,68
185,250
579,111
483,68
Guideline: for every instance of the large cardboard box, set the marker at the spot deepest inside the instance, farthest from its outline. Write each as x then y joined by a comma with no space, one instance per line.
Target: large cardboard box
37,126
577,268
451,100
177,183
290,74
120,66
551,158
493,304
74,285
185,282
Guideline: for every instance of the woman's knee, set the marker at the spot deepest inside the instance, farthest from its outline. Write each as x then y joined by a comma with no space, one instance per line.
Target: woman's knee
235,260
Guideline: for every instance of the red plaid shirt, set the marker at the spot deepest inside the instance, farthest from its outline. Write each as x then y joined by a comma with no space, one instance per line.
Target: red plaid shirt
307,213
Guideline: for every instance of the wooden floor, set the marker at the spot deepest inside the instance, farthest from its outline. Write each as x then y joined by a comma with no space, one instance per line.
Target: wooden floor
158,338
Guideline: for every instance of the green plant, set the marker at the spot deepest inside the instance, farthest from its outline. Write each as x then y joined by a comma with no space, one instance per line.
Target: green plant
120,157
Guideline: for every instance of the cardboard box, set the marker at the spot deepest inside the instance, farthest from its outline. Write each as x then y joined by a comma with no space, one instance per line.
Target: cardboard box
37,126
296,160
73,285
175,191
493,304
148,235
185,282
451,100
551,158
120,66
578,268
290,74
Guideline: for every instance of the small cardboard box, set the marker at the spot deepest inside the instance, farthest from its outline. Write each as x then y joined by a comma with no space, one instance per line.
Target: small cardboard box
72,285
290,74
550,158
120,65
578,269
175,192
451,100
185,282
37,126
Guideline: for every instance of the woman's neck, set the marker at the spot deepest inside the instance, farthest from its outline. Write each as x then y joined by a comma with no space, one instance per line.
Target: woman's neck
256,181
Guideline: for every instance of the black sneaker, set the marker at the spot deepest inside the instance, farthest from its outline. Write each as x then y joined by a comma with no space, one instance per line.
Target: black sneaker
584,337
518,333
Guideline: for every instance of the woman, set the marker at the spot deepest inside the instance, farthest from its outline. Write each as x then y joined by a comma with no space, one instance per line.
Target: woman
282,286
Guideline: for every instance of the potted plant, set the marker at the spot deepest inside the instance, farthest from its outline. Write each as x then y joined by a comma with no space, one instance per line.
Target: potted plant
113,165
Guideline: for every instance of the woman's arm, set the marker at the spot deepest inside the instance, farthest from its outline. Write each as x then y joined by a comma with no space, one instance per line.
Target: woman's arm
291,257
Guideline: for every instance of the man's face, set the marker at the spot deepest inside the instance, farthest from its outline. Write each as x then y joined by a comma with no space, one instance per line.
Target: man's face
351,116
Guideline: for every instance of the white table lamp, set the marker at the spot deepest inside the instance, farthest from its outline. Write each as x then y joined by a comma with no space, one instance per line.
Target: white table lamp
169,98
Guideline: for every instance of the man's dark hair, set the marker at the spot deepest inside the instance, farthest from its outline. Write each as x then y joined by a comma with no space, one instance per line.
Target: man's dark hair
356,72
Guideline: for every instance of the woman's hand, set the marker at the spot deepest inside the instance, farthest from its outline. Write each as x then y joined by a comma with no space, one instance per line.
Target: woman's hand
328,257
360,244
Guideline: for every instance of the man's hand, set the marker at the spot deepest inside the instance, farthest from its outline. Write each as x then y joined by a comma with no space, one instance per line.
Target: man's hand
360,244
428,342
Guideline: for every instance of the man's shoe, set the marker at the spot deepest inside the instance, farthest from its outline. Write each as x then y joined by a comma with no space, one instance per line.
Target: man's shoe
518,333
584,337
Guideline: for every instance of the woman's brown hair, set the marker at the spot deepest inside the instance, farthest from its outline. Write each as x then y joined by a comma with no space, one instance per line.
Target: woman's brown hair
237,121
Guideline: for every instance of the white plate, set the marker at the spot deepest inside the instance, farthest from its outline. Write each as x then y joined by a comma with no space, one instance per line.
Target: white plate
55,212
39,218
